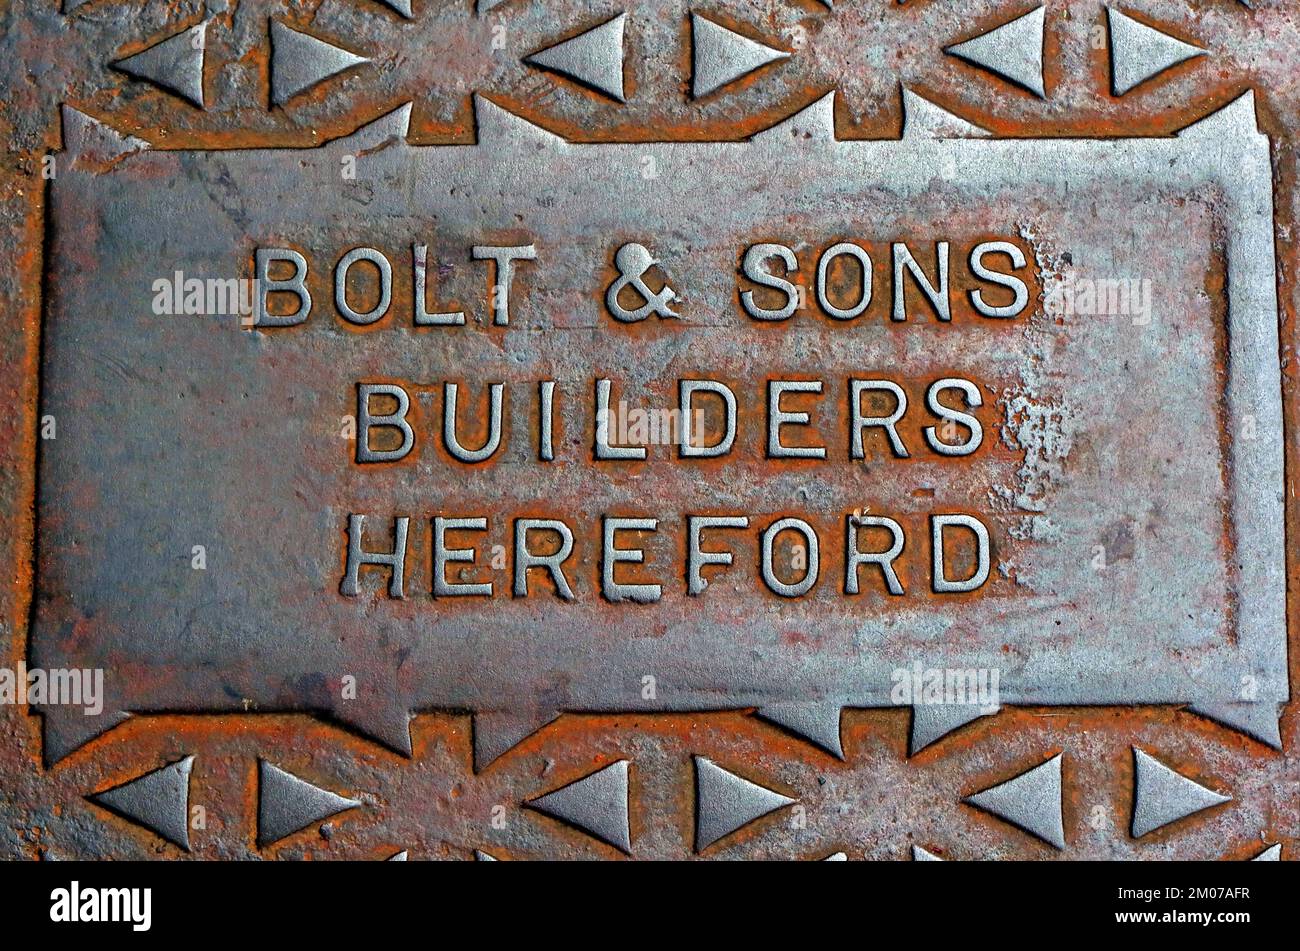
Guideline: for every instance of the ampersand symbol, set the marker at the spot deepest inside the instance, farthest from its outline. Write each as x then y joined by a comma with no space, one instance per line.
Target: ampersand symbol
632,261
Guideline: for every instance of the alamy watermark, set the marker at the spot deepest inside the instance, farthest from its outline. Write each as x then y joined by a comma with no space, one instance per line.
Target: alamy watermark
57,686
77,904
179,295
1102,297
919,685
632,426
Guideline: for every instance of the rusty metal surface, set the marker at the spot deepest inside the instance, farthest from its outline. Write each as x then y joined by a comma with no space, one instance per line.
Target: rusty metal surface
513,727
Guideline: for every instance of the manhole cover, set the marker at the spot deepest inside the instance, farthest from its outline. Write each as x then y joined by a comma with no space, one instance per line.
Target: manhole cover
789,432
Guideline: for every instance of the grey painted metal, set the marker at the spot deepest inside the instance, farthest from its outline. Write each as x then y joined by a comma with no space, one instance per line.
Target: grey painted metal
145,474
401,6
819,723
286,803
926,119
597,804
1013,50
933,721
496,730
1162,796
921,855
725,802
721,56
1139,52
175,64
593,58
1259,720
158,800
300,61
1031,801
